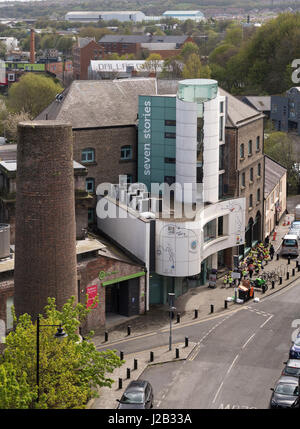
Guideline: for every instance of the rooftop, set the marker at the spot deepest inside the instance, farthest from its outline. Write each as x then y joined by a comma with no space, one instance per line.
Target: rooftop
100,103
11,165
273,173
262,103
113,38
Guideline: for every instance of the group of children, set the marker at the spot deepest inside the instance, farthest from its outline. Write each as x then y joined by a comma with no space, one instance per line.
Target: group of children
253,263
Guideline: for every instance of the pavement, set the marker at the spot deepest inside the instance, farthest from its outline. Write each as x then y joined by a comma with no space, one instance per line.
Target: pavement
201,299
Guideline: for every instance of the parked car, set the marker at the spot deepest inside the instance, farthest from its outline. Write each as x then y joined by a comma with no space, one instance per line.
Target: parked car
138,394
292,368
294,231
296,404
295,349
295,224
289,245
284,393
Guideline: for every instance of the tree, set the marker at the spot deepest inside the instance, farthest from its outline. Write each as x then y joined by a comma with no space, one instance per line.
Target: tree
280,147
10,124
193,68
188,49
32,94
70,370
153,63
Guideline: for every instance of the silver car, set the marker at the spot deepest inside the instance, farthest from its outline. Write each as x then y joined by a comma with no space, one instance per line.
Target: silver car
292,368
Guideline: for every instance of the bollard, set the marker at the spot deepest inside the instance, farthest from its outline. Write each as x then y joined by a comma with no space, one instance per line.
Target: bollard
135,364
297,263
287,275
196,313
186,342
151,356
121,355
293,271
128,372
277,256
212,308
120,383
177,353
128,330
225,304
178,317
280,280
106,336
273,284
263,289
298,268
289,260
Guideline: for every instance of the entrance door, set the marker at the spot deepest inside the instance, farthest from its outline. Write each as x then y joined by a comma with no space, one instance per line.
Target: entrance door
116,298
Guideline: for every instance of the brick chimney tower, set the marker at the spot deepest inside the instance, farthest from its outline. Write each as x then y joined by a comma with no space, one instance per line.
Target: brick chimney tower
45,245
32,46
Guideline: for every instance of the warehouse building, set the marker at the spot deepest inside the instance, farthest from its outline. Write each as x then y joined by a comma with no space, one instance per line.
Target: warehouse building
91,16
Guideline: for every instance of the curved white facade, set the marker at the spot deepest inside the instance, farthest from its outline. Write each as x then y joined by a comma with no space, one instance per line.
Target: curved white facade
180,247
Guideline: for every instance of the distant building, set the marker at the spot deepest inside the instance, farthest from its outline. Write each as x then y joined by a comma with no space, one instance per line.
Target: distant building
117,69
91,16
166,46
183,15
285,111
11,43
260,103
85,50
275,194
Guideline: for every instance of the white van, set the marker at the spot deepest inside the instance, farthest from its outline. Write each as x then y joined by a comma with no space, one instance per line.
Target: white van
289,245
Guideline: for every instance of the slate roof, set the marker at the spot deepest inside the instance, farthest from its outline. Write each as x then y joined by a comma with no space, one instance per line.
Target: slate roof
262,103
273,173
113,38
84,41
100,103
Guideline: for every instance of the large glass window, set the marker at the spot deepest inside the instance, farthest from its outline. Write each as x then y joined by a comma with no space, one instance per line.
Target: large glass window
88,155
200,136
221,128
210,230
221,157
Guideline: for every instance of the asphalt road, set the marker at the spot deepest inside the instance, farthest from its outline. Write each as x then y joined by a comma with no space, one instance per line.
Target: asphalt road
238,358
237,363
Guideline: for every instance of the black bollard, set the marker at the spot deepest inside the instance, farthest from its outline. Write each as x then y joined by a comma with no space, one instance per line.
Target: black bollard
121,355
280,280
225,304
287,275
273,284
212,308
186,342
293,271
297,263
277,256
298,268
135,364
151,356
106,336
177,353
196,313
128,372
178,317
120,383
128,330
289,260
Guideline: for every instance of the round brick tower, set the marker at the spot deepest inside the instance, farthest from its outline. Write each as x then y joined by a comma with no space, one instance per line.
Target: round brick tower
45,245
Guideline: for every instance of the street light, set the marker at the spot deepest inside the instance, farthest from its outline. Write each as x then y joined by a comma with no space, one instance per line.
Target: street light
60,334
171,297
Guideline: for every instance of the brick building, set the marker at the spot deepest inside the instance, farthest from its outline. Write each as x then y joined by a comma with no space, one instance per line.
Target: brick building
140,45
85,50
8,171
103,115
243,153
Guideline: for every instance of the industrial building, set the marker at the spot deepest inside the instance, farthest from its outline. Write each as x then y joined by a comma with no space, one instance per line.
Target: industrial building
183,15
92,16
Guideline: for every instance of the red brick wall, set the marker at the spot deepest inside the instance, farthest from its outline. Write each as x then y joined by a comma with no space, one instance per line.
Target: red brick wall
82,58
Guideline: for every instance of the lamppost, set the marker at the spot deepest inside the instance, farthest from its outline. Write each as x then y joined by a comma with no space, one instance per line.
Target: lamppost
60,334
171,297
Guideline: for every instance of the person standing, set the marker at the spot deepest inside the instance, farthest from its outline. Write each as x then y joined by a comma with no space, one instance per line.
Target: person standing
272,251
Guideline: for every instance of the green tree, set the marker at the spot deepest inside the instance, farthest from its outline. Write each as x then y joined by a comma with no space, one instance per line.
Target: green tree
153,63
10,124
32,94
193,68
188,49
70,370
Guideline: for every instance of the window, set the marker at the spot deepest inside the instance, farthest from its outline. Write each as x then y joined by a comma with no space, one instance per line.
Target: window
170,123
221,128
210,230
242,151
222,107
257,143
251,174
90,184
243,179
250,201
88,155
220,226
258,195
259,170
221,157
126,152
249,147
170,160
129,178
170,135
